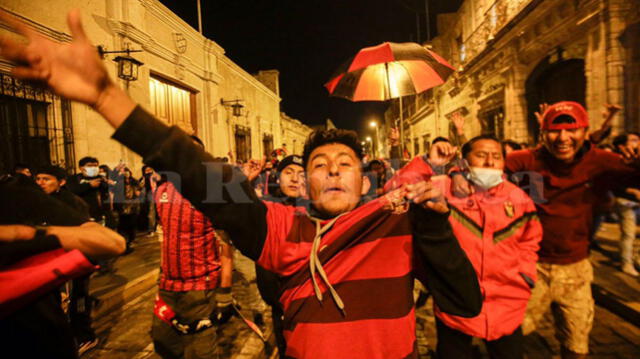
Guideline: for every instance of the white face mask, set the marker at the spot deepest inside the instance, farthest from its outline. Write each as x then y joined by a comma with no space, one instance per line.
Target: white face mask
485,177
91,171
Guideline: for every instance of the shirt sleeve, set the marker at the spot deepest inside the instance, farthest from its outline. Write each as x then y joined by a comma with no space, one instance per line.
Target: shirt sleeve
614,173
529,243
442,265
514,162
30,206
219,191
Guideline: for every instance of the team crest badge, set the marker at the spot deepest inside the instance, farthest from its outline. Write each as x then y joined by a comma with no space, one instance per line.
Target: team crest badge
508,209
164,198
395,202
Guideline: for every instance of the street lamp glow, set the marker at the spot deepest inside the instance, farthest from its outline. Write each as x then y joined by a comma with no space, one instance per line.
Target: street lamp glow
362,143
368,139
373,124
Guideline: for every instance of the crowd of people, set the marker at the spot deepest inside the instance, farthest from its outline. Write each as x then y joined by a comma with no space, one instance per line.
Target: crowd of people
498,234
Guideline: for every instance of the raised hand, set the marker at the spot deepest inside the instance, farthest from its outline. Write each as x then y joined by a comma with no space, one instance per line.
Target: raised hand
252,168
428,194
458,122
609,112
442,153
72,70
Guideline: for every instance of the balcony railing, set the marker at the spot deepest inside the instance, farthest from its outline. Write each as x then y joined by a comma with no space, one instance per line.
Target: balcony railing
498,15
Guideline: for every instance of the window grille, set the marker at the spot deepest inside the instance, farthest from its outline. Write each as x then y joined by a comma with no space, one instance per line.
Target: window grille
35,126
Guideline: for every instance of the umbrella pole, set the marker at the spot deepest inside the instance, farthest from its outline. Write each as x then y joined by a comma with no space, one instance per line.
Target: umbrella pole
386,70
401,130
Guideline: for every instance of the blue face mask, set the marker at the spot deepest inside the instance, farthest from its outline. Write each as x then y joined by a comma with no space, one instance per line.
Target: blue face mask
91,171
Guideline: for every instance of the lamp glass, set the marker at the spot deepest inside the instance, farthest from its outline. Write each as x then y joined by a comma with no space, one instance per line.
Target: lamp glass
237,109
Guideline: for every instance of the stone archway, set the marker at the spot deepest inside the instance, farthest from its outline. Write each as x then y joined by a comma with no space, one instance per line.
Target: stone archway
551,82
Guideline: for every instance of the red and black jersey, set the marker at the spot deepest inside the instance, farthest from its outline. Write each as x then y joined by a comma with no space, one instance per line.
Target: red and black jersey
368,259
368,253
190,253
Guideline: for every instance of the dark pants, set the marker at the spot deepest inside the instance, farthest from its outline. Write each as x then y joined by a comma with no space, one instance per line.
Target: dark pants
278,330
80,310
455,344
189,307
127,227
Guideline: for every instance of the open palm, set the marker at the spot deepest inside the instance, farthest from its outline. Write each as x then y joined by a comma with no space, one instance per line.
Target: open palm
72,70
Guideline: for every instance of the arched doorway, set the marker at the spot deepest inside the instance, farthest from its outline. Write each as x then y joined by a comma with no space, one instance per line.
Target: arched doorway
551,82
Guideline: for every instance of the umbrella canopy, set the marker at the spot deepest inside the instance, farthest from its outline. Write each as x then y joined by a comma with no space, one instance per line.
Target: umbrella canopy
389,70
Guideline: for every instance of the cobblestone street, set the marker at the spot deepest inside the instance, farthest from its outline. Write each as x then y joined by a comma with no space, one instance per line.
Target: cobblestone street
125,311
125,308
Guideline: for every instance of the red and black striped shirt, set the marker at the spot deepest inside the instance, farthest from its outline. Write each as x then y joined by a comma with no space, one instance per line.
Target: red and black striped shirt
190,252
367,254
368,257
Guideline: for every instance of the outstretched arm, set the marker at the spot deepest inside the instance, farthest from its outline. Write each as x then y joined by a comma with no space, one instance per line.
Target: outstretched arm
72,70
75,71
23,207
610,111
93,240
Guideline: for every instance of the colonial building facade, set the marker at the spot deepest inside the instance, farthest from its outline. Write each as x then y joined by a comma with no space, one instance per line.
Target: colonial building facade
185,80
512,55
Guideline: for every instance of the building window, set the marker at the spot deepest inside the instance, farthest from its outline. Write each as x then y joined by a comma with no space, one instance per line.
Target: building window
416,146
243,143
35,127
267,145
173,104
426,143
493,123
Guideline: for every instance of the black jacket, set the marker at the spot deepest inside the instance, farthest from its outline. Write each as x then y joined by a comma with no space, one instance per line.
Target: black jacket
79,185
40,329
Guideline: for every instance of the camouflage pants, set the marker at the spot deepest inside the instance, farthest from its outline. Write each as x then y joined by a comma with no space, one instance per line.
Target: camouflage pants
565,289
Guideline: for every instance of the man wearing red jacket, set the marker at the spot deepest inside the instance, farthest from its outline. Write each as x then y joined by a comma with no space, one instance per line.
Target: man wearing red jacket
498,228
565,177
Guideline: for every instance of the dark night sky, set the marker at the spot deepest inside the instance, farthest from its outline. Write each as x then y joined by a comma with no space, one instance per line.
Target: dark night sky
306,40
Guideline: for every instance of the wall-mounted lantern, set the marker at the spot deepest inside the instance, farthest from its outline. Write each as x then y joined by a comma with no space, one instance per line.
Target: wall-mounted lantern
235,105
127,65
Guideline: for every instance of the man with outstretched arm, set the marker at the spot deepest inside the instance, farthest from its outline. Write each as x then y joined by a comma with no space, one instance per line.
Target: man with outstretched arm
348,267
43,243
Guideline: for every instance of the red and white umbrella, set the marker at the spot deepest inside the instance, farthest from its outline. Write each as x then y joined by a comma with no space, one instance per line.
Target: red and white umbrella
389,70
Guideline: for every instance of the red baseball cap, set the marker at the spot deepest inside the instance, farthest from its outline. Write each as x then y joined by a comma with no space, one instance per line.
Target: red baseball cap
566,108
